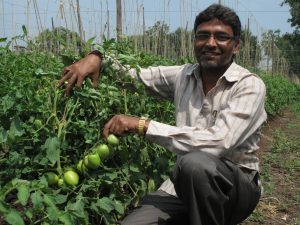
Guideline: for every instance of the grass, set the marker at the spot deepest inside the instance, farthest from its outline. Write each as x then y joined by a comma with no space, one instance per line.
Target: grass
280,172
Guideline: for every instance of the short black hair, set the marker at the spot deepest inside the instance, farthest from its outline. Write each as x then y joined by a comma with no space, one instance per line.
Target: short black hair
222,13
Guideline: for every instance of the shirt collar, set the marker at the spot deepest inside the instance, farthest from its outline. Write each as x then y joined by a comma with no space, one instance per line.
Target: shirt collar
235,72
232,74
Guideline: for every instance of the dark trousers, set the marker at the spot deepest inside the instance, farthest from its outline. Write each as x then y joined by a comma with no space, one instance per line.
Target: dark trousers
211,191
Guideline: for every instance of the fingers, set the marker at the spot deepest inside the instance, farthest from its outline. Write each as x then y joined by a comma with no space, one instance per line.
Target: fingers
71,78
120,124
95,78
68,78
70,84
77,72
65,76
115,126
106,129
65,71
79,82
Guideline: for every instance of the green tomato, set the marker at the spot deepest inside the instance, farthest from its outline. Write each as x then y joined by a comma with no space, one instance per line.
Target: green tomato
151,185
103,151
38,123
52,178
81,167
86,161
112,139
94,161
71,178
60,182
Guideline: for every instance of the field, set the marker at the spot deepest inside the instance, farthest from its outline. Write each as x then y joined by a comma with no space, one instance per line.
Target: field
280,158
43,131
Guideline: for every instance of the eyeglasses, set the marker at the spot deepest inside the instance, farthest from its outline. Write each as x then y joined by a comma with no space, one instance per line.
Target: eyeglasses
220,38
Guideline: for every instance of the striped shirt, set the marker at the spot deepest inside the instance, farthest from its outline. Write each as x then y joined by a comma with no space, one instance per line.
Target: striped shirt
225,122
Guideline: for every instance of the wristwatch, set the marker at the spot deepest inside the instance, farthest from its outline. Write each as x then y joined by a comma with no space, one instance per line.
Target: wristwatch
141,125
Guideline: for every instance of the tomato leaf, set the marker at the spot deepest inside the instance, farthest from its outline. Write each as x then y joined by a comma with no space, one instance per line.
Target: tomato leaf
52,145
23,194
52,213
65,219
37,200
3,135
3,208
77,209
106,204
52,210
60,199
134,168
7,103
14,218
119,207
15,129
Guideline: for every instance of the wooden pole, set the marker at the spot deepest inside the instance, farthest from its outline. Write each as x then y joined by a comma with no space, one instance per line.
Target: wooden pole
144,30
272,54
107,20
79,24
119,19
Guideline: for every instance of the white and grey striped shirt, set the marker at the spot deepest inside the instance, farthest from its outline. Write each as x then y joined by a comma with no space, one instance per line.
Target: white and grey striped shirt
225,122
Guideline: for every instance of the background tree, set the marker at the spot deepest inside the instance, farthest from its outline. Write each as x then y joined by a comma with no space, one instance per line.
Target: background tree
295,12
290,47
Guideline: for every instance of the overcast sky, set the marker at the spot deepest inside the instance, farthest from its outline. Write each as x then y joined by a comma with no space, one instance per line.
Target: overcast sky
263,15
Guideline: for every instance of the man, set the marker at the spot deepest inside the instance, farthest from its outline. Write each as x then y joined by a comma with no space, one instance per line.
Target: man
219,112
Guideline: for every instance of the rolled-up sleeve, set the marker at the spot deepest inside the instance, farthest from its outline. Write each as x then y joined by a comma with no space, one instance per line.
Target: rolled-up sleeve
240,116
160,79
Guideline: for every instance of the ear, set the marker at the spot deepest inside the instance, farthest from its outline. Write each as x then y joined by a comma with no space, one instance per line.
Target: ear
236,47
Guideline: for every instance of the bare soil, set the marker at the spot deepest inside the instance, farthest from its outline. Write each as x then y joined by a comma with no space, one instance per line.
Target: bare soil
281,205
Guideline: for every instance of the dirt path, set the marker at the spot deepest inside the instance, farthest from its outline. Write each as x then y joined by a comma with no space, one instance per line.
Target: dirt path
280,172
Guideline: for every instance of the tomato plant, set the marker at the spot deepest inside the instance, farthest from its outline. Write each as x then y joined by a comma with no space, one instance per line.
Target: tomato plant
68,132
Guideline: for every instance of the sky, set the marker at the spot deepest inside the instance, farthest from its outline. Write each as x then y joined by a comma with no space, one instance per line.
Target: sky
262,15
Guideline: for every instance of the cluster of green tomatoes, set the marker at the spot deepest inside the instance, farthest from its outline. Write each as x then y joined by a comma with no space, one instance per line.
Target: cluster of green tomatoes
91,161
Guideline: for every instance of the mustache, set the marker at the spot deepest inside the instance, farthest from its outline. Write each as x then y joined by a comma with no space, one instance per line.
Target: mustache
214,52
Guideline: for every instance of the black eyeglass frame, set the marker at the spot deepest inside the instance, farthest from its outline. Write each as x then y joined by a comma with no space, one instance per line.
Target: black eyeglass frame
218,37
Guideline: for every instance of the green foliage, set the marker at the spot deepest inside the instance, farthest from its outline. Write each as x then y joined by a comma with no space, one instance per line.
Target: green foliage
295,12
290,47
61,41
42,131
68,129
280,93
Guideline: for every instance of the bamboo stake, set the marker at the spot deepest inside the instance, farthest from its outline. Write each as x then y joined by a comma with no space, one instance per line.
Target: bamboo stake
107,21
119,19
80,25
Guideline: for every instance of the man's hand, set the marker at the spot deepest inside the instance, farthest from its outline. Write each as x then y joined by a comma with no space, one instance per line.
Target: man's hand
77,72
122,124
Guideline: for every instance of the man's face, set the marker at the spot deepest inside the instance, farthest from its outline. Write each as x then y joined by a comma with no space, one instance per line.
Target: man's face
214,44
